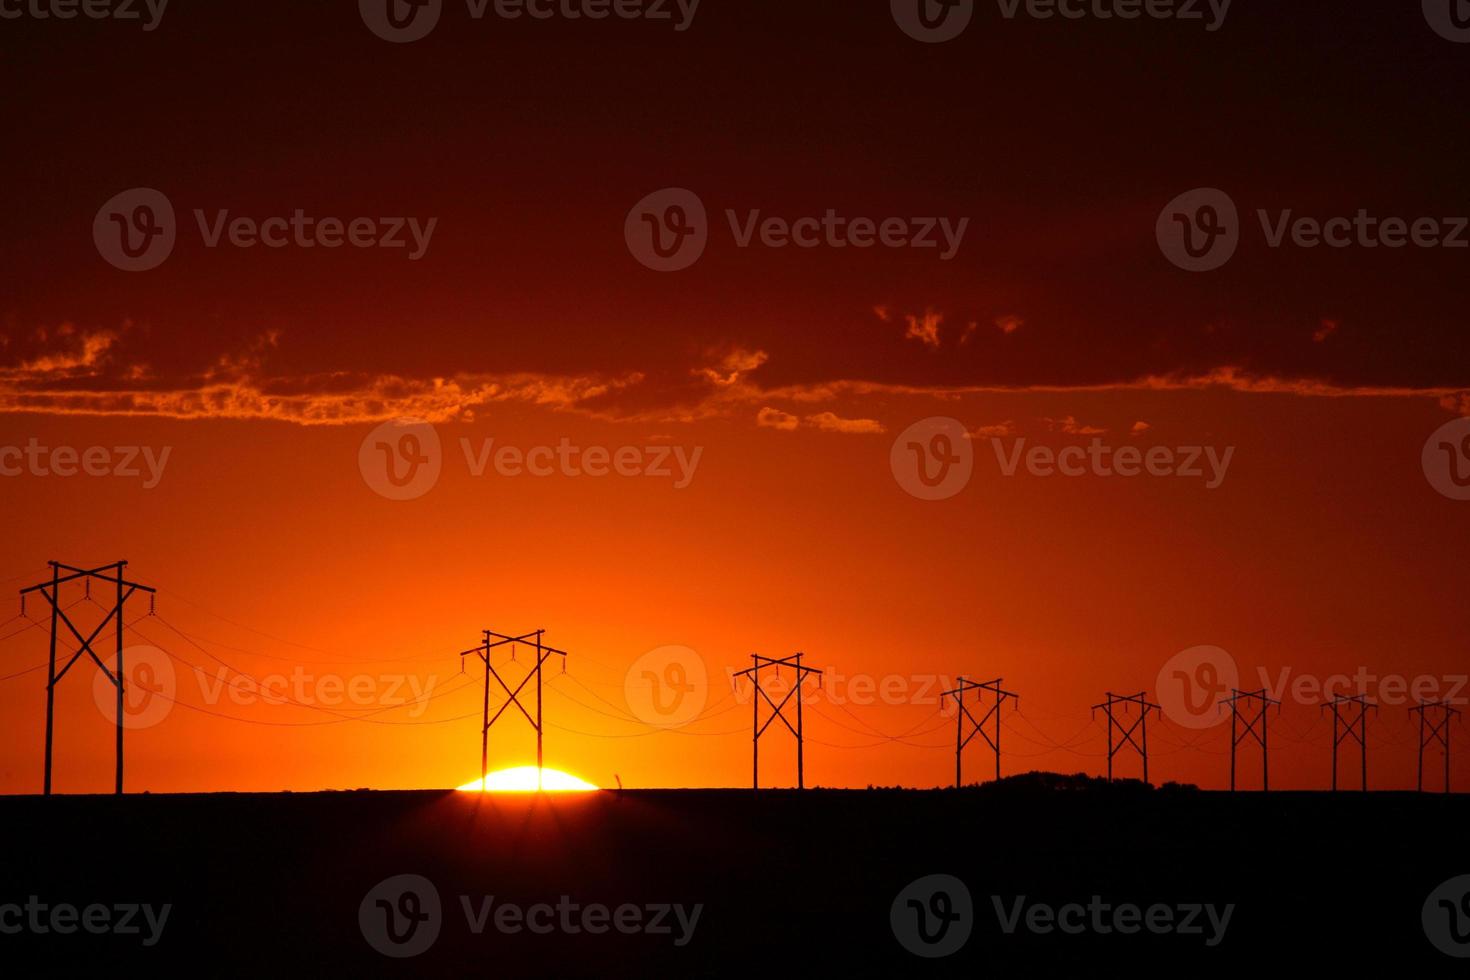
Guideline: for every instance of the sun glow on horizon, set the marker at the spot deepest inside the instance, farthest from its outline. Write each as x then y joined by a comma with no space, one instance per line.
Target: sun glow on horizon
522,779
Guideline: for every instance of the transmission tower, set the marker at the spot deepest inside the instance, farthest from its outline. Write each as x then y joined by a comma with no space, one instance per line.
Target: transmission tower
1349,724
1140,725
777,710
493,641
112,574
977,727
1259,702
1434,730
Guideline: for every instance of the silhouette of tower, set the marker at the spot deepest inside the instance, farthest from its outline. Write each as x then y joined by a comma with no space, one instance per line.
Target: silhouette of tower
962,714
1259,702
1140,725
50,591
1431,730
493,641
1346,724
777,711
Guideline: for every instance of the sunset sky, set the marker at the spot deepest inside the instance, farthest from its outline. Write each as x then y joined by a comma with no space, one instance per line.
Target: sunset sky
774,383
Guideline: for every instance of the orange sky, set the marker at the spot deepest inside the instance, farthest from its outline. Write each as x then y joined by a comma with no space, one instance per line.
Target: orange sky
1324,550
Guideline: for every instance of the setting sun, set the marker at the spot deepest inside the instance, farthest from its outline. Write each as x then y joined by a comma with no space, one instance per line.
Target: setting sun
522,779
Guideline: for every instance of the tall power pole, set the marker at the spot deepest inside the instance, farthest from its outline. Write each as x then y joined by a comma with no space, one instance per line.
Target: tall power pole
1346,724
493,641
777,711
1140,725
1434,730
962,714
50,591
1259,702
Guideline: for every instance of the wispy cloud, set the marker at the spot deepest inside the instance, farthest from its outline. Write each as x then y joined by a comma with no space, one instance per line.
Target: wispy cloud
924,328
831,422
67,371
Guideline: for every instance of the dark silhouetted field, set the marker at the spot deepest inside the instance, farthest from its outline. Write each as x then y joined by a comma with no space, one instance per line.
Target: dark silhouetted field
271,884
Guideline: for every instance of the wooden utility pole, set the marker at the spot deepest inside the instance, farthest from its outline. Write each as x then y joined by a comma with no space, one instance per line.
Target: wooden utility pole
777,711
50,591
962,714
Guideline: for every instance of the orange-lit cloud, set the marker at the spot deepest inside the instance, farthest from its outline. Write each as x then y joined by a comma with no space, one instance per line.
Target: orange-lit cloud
1070,426
831,422
924,329
774,418
83,373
